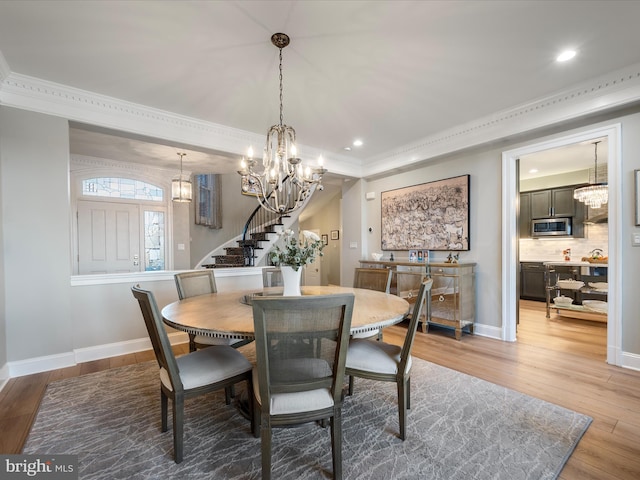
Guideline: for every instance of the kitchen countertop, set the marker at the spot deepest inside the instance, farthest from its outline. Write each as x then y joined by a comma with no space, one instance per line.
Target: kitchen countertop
577,264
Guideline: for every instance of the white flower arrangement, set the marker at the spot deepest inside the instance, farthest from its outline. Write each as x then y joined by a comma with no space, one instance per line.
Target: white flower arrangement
297,252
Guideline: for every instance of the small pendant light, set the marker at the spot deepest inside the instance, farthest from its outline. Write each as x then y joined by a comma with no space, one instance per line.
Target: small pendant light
181,190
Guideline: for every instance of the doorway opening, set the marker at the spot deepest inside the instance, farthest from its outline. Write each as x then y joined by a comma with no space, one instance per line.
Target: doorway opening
511,243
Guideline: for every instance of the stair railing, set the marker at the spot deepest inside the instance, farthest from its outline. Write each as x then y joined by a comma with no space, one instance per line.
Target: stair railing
258,222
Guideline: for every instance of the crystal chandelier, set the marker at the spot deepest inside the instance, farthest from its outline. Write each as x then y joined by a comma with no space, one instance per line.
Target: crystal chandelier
181,190
596,194
282,184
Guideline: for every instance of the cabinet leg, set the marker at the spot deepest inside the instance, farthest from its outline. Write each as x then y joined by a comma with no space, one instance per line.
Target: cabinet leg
458,333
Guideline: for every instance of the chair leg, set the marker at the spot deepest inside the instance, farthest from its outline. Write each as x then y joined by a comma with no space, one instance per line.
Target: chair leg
164,401
402,407
350,385
265,429
409,393
192,342
336,443
178,424
227,395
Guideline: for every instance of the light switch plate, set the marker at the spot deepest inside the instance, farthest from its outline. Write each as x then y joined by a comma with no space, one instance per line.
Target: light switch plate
353,245
635,239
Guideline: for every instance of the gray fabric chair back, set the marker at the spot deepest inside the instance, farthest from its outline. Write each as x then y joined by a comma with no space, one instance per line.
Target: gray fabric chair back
158,335
272,277
301,343
423,293
191,284
373,279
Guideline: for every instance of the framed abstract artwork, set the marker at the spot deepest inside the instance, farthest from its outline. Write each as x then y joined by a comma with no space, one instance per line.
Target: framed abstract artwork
429,216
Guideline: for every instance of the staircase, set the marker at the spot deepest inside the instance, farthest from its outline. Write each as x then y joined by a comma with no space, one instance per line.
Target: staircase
259,236
246,253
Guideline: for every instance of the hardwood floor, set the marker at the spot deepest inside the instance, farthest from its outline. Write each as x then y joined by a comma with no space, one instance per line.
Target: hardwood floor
561,360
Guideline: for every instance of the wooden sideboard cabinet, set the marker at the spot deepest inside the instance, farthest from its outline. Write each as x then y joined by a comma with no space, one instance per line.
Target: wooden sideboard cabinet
453,296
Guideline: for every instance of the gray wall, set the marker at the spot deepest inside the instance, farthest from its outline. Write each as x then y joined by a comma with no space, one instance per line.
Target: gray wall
3,318
43,315
35,217
484,166
236,209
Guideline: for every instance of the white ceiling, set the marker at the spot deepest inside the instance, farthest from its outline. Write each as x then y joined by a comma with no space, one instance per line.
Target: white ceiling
388,72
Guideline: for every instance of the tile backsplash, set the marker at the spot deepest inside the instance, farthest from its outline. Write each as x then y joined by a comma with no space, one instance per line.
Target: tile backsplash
550,249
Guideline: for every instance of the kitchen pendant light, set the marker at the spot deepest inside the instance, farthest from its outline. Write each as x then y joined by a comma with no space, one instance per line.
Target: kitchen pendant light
596,194
181,190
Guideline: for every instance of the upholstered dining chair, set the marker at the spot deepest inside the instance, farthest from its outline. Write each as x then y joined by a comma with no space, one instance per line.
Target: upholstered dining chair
272,277
378,279
301,345
388,363
201,282
195,373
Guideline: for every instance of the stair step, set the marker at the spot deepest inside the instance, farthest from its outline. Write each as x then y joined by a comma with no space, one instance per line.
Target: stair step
229,260
249,243
234,250
224,265
261,236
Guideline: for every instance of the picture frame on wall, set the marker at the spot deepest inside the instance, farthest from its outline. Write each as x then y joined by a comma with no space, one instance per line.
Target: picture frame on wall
248,188
325,239
429,216
335,234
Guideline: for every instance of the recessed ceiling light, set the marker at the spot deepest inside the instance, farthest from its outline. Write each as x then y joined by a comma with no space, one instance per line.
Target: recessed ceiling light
533,170
566,55
357,143
348,149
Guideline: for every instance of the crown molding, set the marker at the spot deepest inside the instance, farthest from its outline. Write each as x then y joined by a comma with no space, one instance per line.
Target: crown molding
607,92
30,93
603,93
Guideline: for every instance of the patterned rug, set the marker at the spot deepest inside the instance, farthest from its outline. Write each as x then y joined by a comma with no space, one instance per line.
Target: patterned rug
459,427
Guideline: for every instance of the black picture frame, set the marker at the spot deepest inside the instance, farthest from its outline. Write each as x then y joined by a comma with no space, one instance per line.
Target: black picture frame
428,216
325,239
335,234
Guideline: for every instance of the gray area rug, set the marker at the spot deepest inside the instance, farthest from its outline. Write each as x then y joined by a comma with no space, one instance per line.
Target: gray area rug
459,427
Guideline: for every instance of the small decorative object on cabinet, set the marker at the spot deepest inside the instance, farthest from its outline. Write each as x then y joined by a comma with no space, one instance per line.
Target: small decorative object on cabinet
453,296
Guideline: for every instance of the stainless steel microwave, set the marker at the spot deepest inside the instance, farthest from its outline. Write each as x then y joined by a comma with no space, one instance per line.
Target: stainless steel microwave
551,227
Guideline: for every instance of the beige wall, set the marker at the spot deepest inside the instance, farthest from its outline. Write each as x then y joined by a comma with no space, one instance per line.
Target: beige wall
325,221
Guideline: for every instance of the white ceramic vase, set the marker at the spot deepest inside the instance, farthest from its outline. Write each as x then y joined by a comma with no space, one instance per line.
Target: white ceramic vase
291,279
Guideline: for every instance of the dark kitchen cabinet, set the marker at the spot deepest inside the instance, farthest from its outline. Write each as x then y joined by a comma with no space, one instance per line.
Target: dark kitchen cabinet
532,281
549,203
555,202
524,224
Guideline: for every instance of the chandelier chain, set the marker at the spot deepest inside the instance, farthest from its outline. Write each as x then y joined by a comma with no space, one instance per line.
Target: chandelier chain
281,89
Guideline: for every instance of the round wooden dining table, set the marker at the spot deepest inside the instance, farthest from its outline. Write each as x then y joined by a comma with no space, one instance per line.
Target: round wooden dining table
230,315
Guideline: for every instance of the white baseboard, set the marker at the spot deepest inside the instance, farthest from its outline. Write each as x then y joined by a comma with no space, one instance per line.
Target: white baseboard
4,375
81,355
29,366
631,360
487,331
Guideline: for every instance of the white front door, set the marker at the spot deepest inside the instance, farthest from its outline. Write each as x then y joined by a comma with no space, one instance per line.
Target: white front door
312,272
108,238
